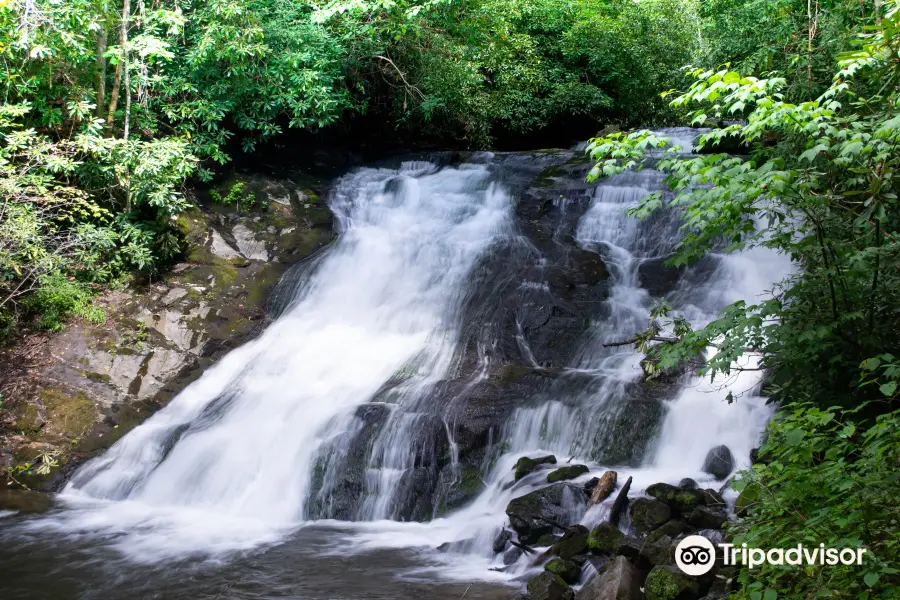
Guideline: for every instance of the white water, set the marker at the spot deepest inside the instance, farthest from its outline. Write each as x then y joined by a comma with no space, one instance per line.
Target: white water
227,465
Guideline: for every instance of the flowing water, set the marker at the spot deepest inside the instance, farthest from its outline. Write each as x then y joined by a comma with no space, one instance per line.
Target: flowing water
321,459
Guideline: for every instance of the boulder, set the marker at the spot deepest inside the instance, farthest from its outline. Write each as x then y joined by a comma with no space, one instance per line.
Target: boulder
669,583
713,535
548,539
529,514
512,555
549,586
669,528
707,517
648,514
620,580
574,542
620,503
604,539
603,488
688,484
630,547
713,498
719,462
526,465
566,569
681,499
659,551
501,540
568,472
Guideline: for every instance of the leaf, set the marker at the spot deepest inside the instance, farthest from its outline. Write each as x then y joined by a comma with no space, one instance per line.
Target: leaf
770,594
870,578
888,389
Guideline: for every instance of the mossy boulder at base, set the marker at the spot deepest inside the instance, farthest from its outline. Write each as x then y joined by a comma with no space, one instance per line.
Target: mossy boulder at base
574,542
525,465
568,472
719,462
648,514
658,552
533,514
549,586
707,517
566,569
619,580
605,538
669,583
669,528
681,499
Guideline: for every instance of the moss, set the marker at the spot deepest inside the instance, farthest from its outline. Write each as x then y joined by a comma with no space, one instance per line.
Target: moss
668,583
604,539
566,569
568,472
526,465
98,377
471,482
28,418
70,413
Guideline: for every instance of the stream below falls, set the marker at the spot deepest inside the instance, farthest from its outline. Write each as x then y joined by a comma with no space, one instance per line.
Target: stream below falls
363,445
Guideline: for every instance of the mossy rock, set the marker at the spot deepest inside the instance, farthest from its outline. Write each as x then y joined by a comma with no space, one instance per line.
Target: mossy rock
669,583
681,499
69,413
549,586
568,472
658,552
525,465
548,539
670,528
605,538
574,542
648,514
566,569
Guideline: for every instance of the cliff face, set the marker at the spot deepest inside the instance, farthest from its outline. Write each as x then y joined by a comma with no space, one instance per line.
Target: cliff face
67,396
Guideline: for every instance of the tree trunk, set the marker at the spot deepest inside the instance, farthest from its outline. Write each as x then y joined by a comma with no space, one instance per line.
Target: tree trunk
101,70
123,57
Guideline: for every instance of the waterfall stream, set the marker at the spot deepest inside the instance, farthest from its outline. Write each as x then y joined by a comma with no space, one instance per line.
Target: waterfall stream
374,406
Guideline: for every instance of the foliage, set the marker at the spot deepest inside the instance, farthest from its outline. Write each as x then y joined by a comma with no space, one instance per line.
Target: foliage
235,196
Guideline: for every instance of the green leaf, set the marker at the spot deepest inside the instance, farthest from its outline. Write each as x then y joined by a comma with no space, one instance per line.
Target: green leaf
870,578
888,389
770,594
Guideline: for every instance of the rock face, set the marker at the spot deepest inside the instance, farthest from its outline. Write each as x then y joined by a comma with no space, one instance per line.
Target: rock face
719,462
76,392
620,580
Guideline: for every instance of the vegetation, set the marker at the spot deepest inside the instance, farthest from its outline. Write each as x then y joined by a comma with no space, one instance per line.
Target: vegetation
818,183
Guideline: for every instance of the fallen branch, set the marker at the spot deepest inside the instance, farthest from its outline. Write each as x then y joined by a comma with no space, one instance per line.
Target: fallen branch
522,547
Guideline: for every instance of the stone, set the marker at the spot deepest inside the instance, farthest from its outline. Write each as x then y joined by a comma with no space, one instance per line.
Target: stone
573,543
719,462
630,547
568,570
659,551
620,503
620,580
249,246
648,514
713,498
603,488
220,247
688,484
512,555
706,517
604,539
669,528
549,586
669,583
528,514
681,499
713,535
548,539
25,501
501,541
568,472
525,465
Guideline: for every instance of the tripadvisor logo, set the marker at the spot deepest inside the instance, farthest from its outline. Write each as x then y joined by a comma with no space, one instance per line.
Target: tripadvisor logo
696,555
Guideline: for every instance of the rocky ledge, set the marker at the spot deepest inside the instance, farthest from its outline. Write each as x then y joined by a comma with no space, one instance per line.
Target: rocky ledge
67,396
630,555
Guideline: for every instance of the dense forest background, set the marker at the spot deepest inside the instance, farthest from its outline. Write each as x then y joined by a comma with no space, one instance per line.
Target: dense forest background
111,107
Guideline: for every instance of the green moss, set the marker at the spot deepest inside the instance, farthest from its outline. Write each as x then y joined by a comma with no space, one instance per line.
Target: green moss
668,583
526,465
98,377
604,539
70,413
568,472
566,569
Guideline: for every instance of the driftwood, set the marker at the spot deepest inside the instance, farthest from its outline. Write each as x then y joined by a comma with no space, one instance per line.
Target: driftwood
620,503
522,547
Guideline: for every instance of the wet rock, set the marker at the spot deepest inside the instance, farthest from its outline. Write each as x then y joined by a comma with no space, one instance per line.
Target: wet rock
620,503
669,583
658,278
512,555
568,472
529,514
573,542
681,499
670,528
546,540
249,247
648,514
25,501
688,484
713,498
620,580
658,552
706,517
719,462
526,465
605,539
713,535
630,547
549,586
501,541
566,569
603,488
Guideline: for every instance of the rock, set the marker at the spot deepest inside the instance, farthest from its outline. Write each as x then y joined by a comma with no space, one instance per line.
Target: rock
603,488
247,243
501,540
526,465
512,555
630,547
605,538
648,514
681,499
573,542
221,248
528,514
659,551
549,586
713,535
658,278
719,462
620,503
620,580
706,517
25,501
670,528
688,484
568,570
669,583
754,456
569,472
713,498
548,539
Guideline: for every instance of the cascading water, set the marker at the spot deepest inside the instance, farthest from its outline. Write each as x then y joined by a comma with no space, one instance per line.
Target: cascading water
462,320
